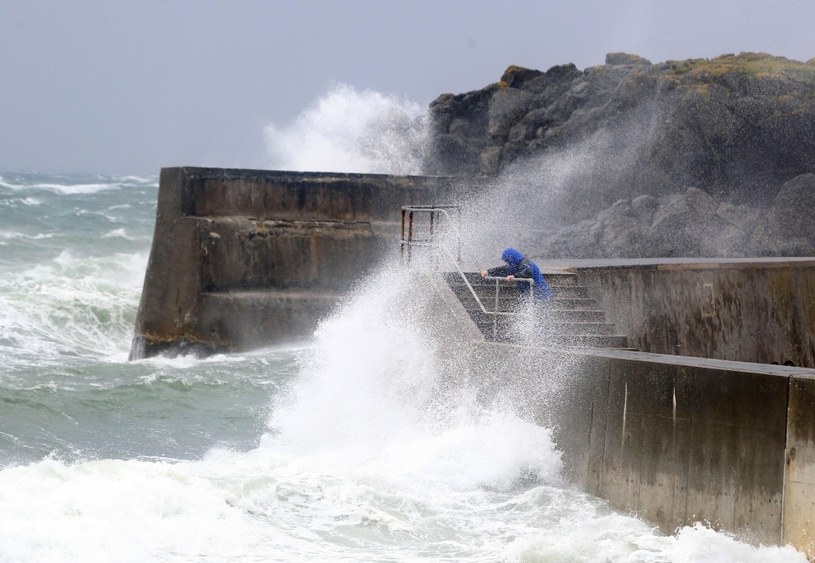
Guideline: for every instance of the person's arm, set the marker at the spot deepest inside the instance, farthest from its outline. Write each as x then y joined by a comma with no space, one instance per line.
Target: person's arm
497,272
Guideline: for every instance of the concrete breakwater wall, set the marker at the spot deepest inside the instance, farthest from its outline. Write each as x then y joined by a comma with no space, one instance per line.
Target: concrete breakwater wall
249,258
673,439
754,310
678,440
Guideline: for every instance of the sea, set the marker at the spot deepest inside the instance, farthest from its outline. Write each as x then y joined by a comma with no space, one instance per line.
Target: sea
357,444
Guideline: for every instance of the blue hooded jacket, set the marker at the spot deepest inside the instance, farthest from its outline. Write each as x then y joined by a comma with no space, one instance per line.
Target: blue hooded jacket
520,267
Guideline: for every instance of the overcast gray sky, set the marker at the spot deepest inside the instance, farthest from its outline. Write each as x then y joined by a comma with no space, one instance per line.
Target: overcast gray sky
117,86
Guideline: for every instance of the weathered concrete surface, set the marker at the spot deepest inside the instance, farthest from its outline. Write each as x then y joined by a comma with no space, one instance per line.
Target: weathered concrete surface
694,442
248,258
799,490
672,439
757,310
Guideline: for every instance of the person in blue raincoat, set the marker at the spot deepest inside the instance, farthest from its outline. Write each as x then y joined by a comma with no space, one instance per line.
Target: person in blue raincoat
516,265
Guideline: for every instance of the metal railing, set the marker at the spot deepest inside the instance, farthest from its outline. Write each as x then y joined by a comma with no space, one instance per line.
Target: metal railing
437,213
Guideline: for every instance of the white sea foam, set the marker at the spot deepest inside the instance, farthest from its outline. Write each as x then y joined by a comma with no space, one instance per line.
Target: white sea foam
6,235
72,304
278,504
138,179
121,233
348,130
27,201
69,189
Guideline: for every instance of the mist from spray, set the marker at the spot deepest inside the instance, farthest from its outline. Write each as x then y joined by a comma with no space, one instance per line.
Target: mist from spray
597,197
348,130
533,200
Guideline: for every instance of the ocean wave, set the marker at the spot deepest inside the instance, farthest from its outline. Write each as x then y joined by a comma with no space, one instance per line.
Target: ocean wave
71,304
71,189
148,180
65,189
27,201
122,234
6,235
75,185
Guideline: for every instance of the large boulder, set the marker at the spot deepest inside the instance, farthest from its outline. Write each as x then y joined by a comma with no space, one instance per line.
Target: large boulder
788,228
692,223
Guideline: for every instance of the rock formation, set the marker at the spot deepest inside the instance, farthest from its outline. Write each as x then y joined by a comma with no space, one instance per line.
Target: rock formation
697,158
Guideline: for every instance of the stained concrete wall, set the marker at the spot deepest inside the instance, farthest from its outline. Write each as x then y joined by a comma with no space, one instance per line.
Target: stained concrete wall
672,439
683,440
248,258
758,310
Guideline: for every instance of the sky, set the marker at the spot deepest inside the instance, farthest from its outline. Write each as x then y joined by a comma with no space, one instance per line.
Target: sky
130,86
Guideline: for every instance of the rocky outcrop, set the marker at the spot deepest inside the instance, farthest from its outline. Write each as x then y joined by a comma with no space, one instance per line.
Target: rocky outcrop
700,156
692,223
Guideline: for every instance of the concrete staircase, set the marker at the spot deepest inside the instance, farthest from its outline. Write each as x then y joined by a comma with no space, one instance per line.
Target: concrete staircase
571,319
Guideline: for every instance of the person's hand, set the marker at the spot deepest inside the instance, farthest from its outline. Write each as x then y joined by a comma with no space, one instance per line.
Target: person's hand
510,278
483,273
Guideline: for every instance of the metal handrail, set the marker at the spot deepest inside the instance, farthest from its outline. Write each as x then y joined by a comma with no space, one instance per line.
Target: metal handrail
442,211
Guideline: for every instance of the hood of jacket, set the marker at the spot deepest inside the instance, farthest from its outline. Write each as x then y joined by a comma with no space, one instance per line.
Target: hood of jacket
512,256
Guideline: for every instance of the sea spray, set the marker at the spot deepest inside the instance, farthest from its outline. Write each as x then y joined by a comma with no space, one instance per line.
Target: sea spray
348,130
377,381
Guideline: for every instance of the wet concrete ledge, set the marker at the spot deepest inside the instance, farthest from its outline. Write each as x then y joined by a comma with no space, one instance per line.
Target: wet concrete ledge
678,440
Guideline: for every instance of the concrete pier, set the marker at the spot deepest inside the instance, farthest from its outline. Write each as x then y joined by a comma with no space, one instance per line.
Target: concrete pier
704,423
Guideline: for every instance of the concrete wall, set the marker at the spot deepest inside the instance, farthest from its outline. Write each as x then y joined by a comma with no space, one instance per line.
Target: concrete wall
760,310
248,258
672,439
680,440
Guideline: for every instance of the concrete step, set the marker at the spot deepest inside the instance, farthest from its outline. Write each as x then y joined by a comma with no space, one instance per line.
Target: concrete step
509,304
573,317
486,290
506,323
556,315
582,341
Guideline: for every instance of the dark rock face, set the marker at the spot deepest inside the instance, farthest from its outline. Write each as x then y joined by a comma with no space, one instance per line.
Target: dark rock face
737,129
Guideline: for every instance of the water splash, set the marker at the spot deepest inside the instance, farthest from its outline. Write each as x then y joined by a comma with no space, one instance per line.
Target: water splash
348,130
376,387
